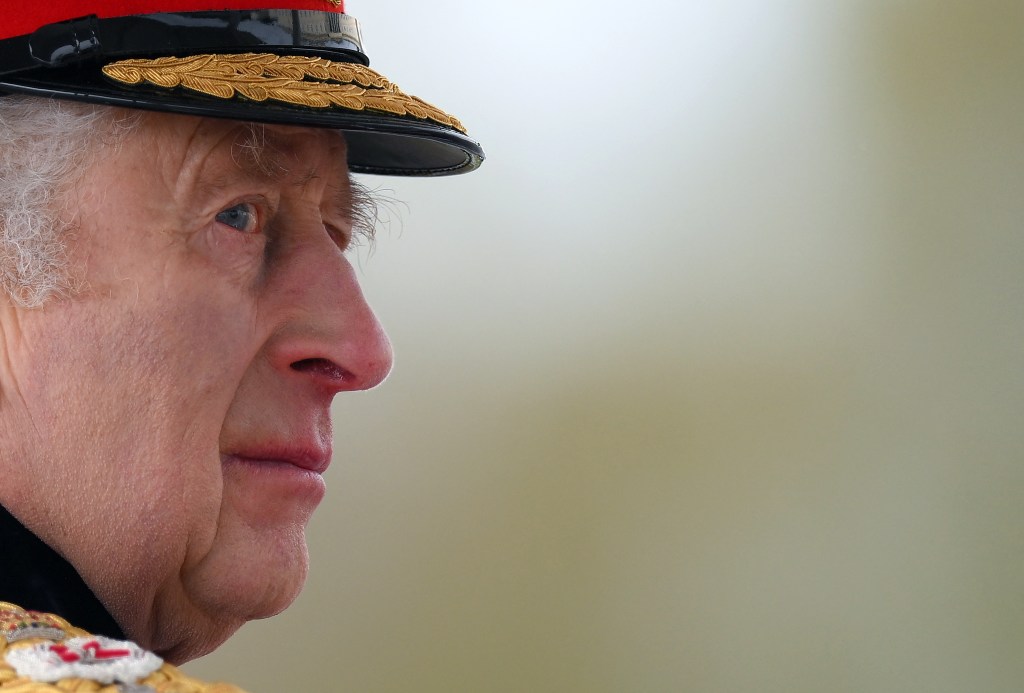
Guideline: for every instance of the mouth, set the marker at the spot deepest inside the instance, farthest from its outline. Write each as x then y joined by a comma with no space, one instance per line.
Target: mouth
288,469
310,458
308,455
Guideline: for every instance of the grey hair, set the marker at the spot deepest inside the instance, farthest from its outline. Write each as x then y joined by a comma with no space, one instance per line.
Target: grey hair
44,145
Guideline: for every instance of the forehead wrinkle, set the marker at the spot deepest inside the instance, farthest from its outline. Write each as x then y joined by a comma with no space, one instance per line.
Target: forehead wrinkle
176,165
248,159
286,158
198,167
258,155
275,157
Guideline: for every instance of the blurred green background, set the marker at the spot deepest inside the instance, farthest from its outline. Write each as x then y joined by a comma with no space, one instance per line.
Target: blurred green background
711,379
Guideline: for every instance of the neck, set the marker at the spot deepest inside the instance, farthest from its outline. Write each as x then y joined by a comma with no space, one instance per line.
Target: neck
39,579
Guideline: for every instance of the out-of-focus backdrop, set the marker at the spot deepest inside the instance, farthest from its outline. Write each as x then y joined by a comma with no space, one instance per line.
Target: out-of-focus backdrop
711,379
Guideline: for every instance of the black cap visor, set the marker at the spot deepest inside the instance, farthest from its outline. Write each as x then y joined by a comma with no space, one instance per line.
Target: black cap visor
387,131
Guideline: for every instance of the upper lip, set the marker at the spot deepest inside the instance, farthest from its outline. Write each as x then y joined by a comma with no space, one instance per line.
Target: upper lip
308,454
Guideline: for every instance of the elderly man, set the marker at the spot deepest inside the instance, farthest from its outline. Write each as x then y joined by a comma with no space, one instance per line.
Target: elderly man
175,210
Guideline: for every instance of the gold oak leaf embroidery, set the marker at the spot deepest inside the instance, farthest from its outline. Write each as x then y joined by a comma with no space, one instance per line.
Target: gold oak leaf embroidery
293,79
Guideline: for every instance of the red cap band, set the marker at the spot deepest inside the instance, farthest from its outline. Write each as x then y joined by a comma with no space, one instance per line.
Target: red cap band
25,18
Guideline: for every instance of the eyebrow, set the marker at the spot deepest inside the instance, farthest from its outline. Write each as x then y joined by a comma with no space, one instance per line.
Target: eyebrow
249,161
265,156
260,154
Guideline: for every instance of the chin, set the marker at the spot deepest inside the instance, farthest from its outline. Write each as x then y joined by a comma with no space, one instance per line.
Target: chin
264,588
275,598
182,648
216,606
231,587
254,567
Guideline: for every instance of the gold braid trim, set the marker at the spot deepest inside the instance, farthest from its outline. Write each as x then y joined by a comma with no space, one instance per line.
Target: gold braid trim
294,79
167,679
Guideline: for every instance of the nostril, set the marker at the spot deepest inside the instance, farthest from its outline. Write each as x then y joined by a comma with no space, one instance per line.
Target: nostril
323,368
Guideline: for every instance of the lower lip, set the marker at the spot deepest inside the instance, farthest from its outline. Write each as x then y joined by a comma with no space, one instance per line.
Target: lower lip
284,476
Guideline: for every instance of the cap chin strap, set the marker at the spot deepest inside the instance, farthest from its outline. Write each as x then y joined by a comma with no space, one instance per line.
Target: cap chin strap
324,34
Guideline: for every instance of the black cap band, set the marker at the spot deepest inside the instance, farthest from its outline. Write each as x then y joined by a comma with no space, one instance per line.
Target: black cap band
291,31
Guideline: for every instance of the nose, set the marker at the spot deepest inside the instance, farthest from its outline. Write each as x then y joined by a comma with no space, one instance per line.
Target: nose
329,336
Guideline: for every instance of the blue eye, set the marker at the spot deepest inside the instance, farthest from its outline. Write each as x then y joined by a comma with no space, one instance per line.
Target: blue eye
242,217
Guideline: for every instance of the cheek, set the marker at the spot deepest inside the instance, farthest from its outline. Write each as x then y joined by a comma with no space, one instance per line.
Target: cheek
159,380
128,408
194,361
237,257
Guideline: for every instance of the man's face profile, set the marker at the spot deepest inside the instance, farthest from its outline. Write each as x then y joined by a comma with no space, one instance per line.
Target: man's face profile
177,407
179,309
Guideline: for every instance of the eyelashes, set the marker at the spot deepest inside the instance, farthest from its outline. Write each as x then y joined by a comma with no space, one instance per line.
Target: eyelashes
253,219
243,217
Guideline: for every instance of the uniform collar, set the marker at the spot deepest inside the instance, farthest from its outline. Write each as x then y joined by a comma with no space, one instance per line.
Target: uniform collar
36,577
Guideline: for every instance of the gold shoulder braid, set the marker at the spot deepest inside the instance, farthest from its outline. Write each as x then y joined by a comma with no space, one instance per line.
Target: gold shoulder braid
43,653
294,79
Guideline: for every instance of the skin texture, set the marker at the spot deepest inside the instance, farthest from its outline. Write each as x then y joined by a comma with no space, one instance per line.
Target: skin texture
157,428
